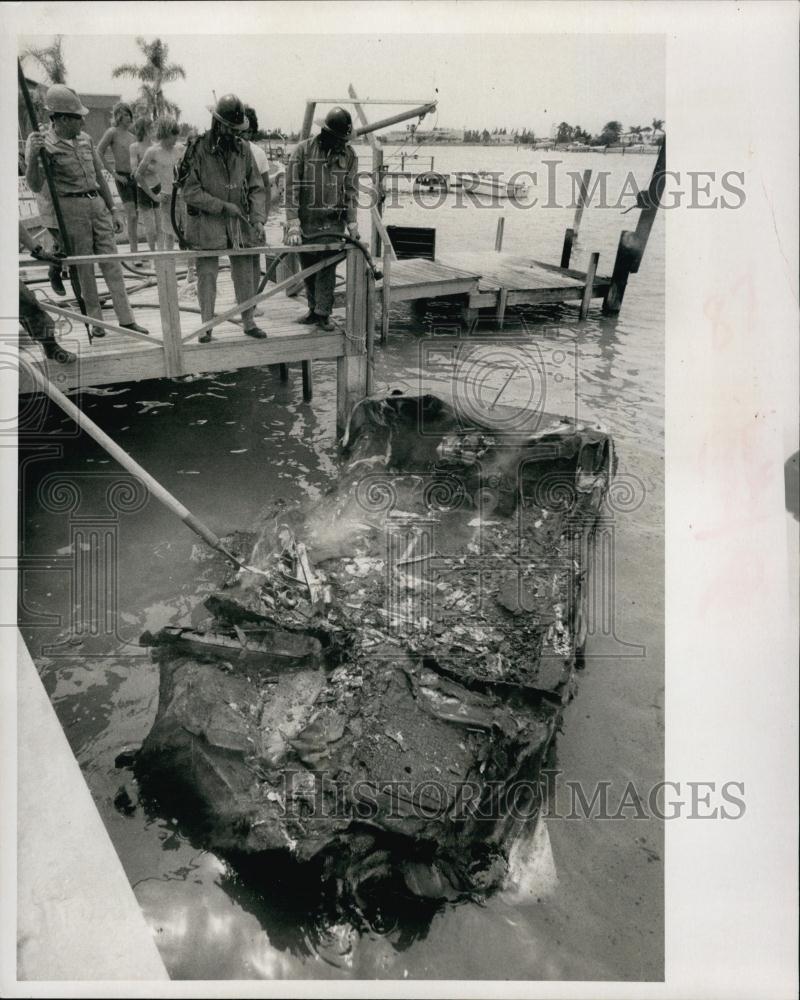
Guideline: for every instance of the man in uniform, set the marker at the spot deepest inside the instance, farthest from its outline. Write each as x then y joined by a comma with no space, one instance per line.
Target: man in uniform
226,207
86,203
321,198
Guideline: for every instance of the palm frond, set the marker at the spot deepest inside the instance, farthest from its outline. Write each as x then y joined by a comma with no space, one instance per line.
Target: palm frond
173,72
127,69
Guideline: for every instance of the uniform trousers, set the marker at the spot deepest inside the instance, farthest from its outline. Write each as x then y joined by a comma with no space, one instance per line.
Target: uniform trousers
91,230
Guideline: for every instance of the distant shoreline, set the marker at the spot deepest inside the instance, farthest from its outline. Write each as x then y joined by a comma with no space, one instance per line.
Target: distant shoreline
635,150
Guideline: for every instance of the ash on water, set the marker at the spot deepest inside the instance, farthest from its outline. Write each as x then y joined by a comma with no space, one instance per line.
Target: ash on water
375,700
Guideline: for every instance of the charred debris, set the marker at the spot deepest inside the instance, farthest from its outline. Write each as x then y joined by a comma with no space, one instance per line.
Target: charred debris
375,700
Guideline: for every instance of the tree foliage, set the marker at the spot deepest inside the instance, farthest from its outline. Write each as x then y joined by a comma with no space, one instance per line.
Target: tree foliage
152,74
50,58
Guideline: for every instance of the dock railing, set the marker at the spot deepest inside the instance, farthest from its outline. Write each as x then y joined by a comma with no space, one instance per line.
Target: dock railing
348,345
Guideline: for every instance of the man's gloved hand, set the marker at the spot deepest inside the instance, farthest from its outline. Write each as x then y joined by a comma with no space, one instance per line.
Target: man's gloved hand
233,211
117,221
352,231
294,237
53,257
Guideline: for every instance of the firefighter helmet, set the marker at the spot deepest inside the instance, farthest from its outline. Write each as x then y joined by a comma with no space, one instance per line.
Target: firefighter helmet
229,111
339,123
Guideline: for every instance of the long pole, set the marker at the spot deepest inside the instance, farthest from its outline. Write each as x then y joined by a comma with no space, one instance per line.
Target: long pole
423,109
159,492
66,244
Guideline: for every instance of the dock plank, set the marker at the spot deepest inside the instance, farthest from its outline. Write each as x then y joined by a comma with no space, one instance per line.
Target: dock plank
499,270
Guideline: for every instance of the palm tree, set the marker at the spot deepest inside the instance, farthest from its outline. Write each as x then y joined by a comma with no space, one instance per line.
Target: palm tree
565,132
152,75
51,60
658,123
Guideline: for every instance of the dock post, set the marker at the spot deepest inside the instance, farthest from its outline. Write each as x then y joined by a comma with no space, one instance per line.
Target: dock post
308,382
351,367
370,333
498,238
386,294
501,307
623,265
377,187
169,306
589,286
582,191
566,252
632,244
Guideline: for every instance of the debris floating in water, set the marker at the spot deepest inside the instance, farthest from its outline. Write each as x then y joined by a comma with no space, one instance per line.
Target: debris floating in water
364,701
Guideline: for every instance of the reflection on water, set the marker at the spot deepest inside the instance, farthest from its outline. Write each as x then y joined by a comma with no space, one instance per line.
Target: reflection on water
230,445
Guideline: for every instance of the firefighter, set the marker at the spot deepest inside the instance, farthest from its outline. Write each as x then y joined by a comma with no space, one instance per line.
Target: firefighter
225,206
321,198
86,204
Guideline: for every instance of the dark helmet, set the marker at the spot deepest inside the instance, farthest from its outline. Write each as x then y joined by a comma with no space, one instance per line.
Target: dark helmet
339,123
229,111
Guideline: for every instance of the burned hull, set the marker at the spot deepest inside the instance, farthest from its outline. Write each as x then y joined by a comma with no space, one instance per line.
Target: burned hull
378,696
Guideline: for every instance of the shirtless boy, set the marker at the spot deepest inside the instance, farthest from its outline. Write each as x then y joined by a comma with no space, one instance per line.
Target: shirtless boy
155,175
118,139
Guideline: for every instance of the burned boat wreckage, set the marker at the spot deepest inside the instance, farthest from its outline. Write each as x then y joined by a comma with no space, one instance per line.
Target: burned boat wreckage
375,696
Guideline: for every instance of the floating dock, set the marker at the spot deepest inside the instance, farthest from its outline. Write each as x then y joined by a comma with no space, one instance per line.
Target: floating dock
489,281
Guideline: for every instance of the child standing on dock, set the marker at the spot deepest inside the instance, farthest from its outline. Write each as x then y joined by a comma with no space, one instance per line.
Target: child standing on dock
119,139
155,175
145,204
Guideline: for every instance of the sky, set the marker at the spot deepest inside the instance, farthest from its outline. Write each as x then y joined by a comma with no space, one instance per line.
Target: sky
480,81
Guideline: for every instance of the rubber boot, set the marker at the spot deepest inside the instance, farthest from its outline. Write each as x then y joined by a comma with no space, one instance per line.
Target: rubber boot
55,352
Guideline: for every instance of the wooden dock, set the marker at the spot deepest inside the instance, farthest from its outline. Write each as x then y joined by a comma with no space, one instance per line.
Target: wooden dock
167,308
490,281
120,358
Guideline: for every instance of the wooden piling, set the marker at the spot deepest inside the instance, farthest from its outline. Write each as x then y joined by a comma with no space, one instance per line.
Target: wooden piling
582,191
587,291
386,291
498,237
351,368
623,265
370,332
308,382
169,306
632,244
566,252
502,295
377,187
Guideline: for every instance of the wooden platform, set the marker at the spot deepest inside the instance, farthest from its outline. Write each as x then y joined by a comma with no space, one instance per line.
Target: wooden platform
119,358
489,280
523,279
417,278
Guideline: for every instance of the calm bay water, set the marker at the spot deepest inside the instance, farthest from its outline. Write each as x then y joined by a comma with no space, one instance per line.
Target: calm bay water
228,446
